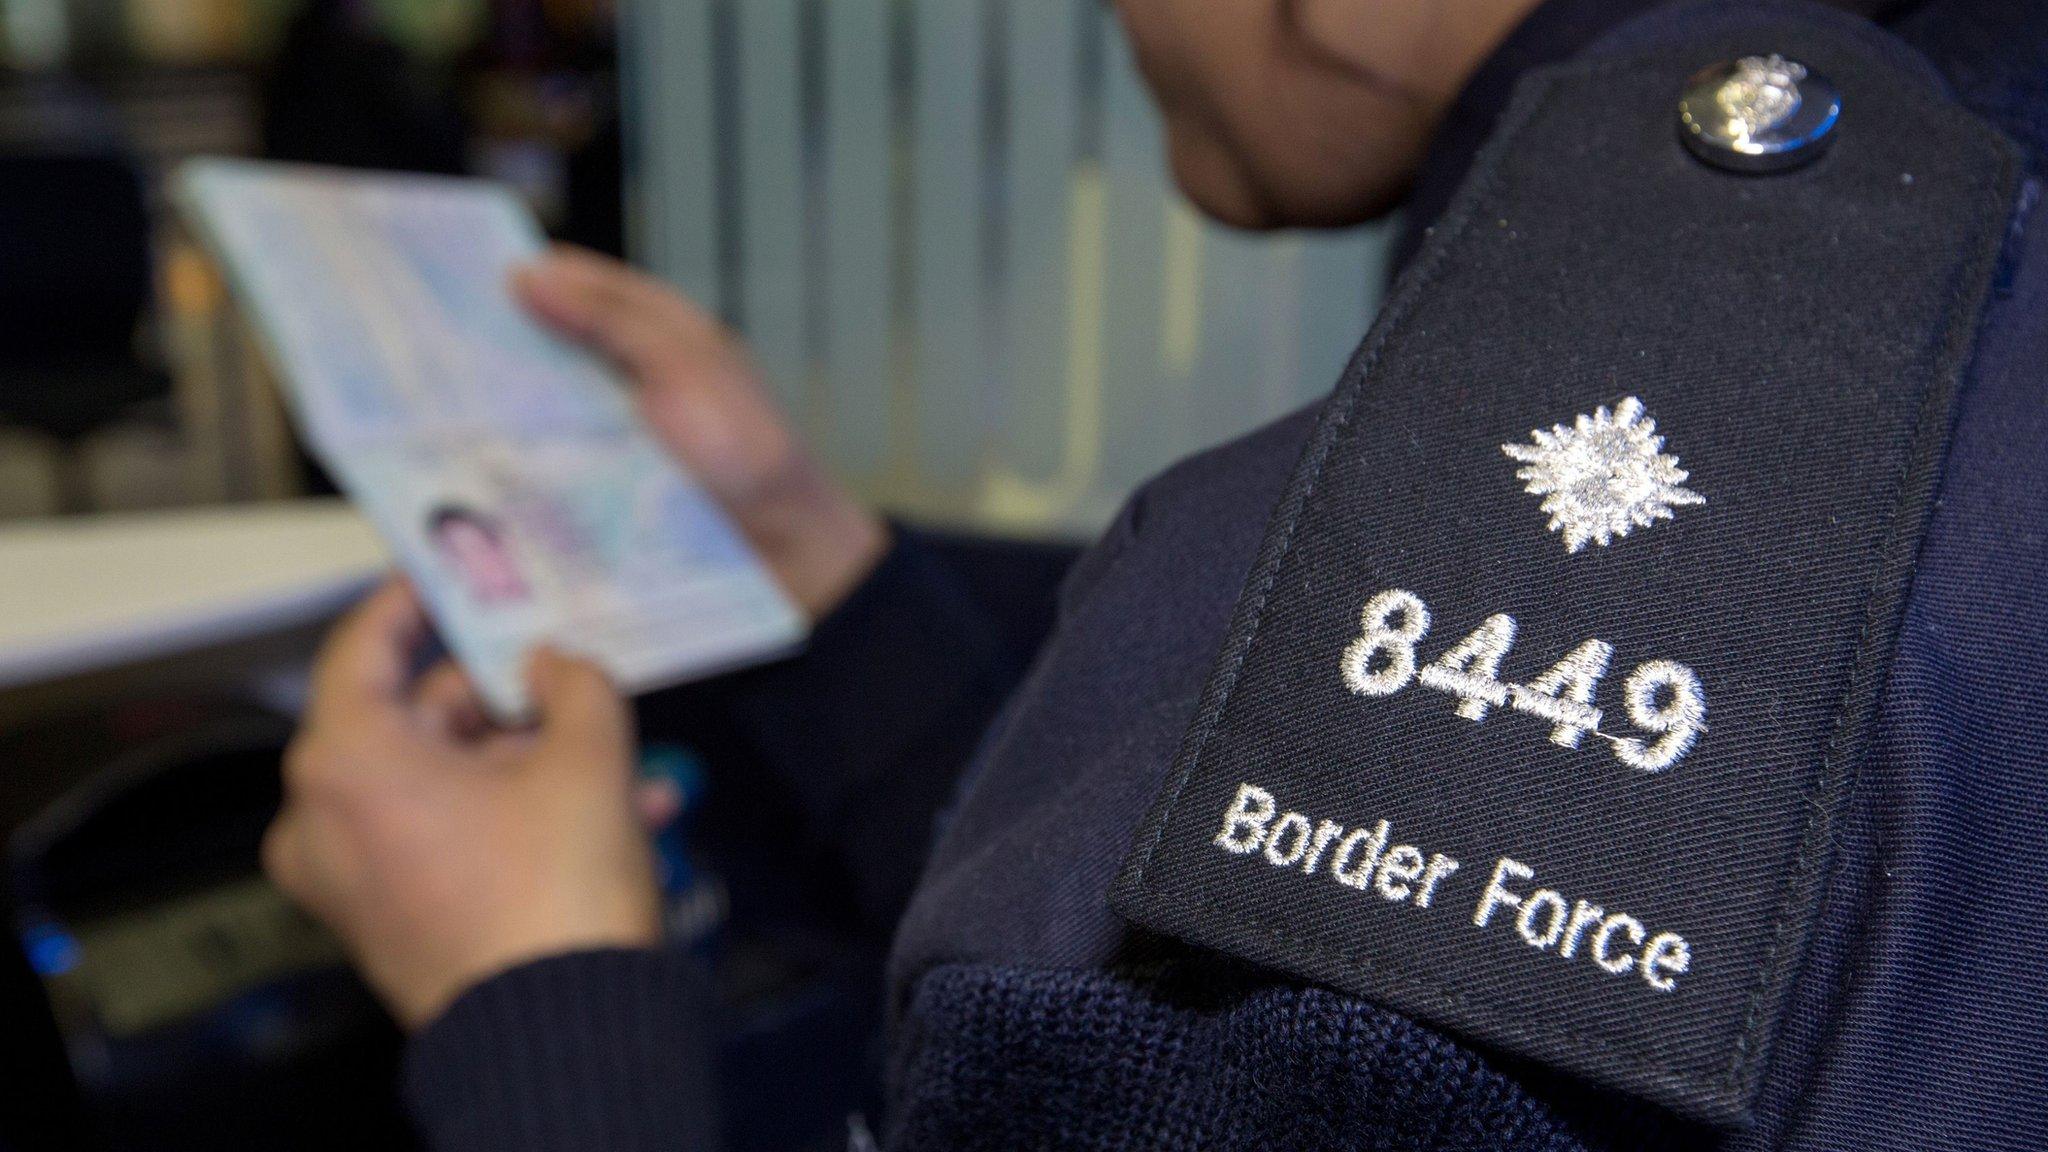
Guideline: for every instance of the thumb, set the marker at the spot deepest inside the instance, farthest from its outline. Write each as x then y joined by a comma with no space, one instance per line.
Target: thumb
560,300
577,709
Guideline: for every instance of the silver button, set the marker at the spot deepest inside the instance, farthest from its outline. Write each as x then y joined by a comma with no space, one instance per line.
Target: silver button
1758,114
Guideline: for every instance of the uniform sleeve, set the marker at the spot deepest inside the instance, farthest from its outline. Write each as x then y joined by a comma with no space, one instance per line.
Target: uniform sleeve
870,727
592,1050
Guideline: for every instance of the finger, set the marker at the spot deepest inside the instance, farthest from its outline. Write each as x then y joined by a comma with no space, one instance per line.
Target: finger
577,708
581,288
292,861
559,299
641,324
446,702
367,659
648,338
508,748
613,281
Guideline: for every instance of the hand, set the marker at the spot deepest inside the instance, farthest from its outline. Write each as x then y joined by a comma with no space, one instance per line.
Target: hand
442,850
707,402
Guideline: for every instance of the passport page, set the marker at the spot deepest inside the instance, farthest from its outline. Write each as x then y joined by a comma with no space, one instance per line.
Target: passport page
508,469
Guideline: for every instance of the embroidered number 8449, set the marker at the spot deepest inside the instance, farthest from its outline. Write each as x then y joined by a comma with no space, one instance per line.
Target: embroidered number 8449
1662,698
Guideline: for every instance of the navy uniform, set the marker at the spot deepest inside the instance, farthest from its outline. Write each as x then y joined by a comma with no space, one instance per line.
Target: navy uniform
1611,719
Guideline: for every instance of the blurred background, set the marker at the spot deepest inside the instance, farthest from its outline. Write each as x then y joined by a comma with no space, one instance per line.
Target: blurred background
125,379
944,225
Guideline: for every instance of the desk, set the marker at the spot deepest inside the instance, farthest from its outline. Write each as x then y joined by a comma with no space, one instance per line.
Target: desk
81,595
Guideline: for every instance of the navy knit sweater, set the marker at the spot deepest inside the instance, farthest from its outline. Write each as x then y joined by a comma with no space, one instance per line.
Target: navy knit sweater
1026,1014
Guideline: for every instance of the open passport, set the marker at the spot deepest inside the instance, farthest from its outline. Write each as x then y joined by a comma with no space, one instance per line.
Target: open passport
508,470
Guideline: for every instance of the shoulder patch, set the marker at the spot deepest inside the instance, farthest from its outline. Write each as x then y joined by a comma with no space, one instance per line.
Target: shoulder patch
1562,649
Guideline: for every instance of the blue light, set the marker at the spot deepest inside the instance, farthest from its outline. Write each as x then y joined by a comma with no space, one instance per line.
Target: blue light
51,951
678,765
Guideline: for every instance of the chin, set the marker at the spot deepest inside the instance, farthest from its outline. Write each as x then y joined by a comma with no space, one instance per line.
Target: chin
1235,192
1216,183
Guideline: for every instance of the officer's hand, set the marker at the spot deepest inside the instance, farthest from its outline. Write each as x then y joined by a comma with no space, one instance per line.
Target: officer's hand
441,849
705,399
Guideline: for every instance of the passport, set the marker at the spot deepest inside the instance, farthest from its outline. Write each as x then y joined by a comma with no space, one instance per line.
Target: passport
508,469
